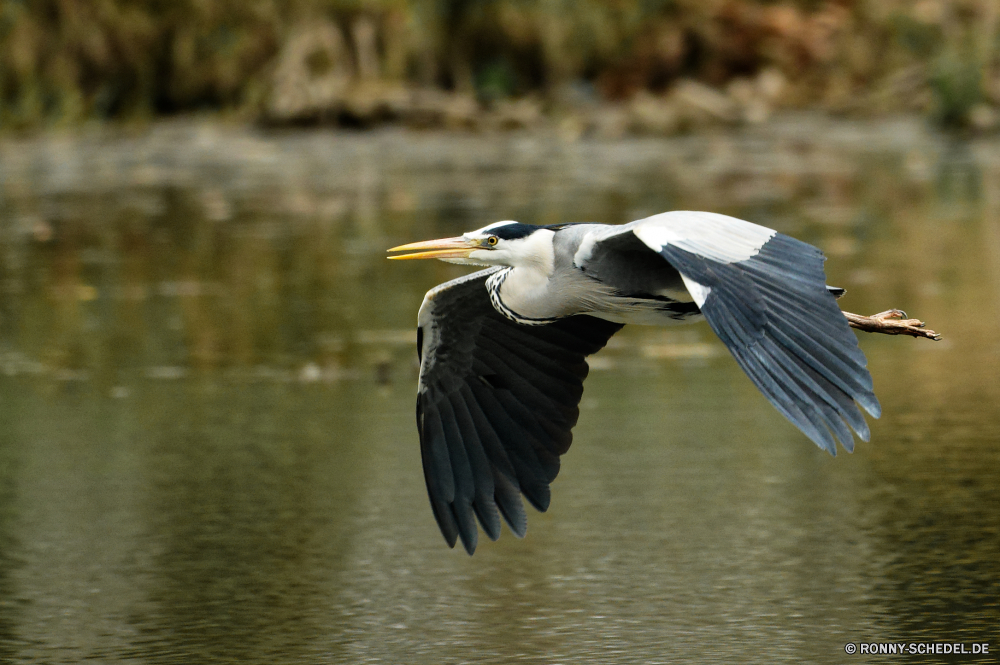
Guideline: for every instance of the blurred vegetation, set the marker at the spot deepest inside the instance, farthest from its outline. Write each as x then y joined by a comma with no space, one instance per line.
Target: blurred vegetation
665,64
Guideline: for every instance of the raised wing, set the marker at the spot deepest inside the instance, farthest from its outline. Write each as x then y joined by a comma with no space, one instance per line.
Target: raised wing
765,296
496,404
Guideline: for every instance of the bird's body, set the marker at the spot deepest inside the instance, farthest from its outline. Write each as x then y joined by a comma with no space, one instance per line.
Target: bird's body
503,350
617,280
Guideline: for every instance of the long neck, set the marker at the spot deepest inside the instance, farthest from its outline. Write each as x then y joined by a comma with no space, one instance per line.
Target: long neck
521,292
520,296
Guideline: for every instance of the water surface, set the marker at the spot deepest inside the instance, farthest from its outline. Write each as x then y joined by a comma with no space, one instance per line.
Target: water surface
207,447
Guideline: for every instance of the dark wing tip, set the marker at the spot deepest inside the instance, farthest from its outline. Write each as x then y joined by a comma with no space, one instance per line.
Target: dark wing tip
467,531
870,404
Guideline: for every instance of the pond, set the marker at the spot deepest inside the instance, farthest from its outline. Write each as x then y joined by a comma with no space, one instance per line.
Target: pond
207,379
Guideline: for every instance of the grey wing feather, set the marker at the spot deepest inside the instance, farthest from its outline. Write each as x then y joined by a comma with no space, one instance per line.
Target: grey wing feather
496,404
766,298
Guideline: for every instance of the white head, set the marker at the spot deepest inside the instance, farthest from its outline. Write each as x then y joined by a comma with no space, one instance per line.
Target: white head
506,243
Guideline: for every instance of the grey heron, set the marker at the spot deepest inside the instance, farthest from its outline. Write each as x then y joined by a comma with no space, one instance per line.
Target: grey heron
503,350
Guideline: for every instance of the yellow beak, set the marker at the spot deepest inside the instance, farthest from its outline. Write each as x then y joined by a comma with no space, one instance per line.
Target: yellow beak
445,248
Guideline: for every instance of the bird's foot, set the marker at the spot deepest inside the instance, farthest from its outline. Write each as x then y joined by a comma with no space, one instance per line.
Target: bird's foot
891,322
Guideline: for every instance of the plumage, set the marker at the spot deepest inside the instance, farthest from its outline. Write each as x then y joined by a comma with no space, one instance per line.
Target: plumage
503,351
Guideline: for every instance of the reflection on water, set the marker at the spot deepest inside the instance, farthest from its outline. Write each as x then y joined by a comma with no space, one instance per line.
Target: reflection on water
207,450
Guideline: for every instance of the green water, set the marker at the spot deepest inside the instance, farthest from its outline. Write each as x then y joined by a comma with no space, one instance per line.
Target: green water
207,373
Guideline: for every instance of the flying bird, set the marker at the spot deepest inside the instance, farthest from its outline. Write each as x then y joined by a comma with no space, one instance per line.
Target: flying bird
503,350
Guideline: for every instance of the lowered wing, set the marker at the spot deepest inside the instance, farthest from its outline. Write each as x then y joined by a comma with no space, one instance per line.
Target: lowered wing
496,404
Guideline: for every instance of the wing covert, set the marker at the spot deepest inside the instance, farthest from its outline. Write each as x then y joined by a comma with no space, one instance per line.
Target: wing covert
496,404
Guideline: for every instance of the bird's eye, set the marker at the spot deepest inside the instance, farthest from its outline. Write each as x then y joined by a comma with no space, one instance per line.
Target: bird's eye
492,240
